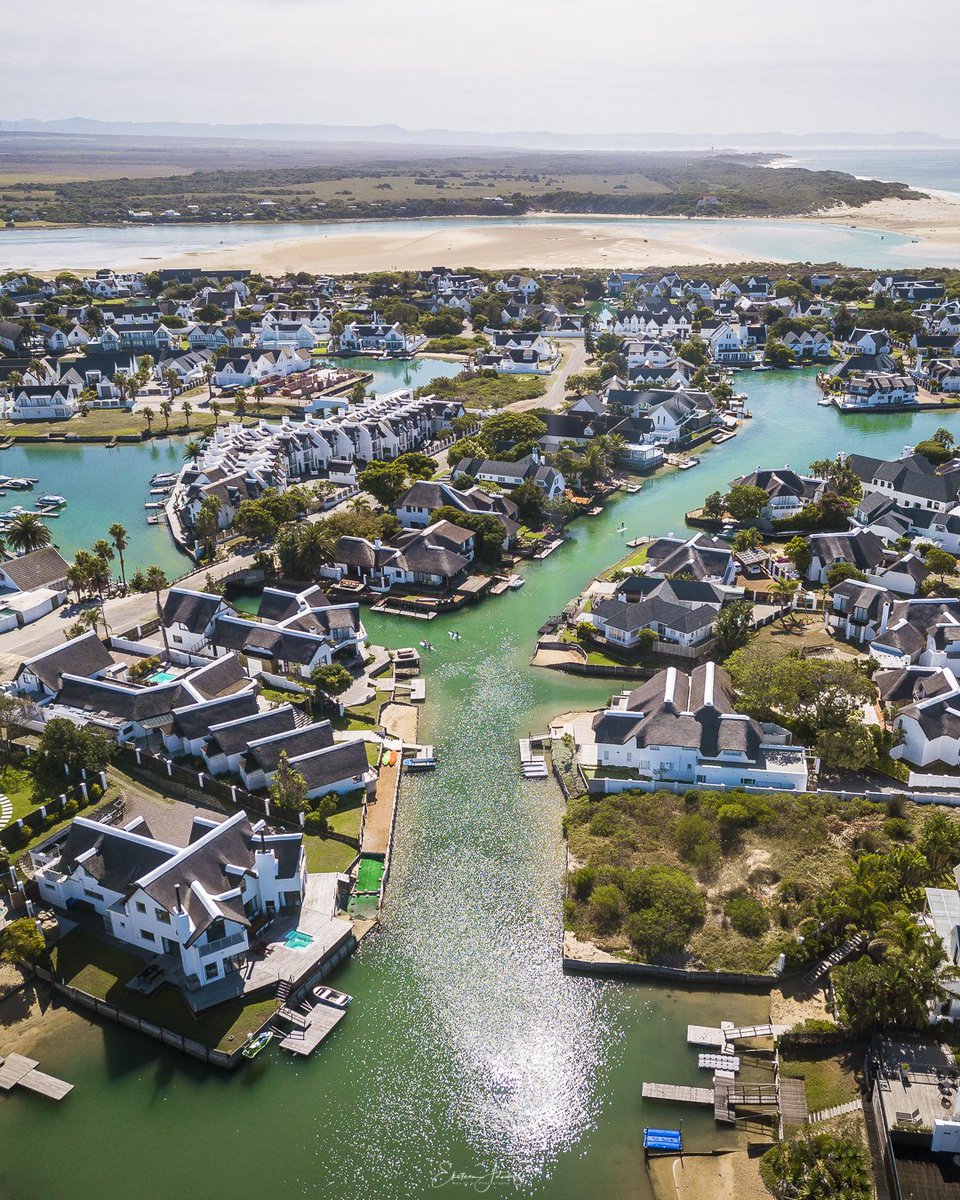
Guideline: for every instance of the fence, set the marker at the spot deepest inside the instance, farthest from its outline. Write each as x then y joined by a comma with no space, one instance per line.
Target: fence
732,979
18,833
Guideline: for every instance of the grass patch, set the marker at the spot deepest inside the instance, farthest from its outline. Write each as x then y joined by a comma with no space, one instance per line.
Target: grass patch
481,391
102,969
636,558
106,423
829,1076
327,854
348,814
18,786
453,344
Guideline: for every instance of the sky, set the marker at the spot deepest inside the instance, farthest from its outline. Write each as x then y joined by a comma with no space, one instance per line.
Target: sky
608,66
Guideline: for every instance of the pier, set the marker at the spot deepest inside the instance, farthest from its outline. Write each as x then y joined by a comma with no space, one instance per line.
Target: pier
319,1022
18,1071
676,1093
533,766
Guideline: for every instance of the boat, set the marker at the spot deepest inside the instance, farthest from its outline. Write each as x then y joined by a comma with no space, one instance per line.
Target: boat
153,520
685,464
21,485
825,401
329,995
53,500
516,581
420,764
632,488
153,505
162,477
260,1042
595,511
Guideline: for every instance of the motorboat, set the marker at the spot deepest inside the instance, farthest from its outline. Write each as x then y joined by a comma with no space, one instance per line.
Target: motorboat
53,500
329,995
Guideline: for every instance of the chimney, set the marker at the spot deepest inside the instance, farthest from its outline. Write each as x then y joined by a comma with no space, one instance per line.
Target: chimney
176,892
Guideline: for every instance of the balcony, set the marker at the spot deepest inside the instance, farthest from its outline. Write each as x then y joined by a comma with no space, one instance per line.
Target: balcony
221,944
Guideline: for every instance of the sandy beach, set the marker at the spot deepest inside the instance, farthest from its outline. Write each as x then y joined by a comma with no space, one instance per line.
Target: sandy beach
732,1176
935,219
592,242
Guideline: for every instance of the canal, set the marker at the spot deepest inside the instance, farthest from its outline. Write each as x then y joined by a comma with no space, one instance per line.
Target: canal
466,1049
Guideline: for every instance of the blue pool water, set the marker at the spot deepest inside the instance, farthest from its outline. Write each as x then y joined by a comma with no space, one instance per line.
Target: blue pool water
297,940
161,677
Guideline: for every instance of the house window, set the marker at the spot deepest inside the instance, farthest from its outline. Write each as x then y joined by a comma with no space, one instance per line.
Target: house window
163,916
141,907
211,971
147,935
92,895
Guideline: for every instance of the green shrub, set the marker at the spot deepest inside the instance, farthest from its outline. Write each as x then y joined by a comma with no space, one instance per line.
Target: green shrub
315,823
69,810
582,881
898,829
747,916
607,906
94,791
603,823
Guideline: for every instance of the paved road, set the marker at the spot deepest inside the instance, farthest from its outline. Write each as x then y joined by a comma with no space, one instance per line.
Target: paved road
574,361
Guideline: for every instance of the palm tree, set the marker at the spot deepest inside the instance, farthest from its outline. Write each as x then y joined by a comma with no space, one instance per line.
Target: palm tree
166,408
120,543
239,402
187,410
784,590
192,450
208,372
156,580
147,415
259,392
172,380
27,532
123,383
216,408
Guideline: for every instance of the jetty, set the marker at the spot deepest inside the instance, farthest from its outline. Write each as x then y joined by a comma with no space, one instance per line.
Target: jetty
310,1028
19,1071
533,766
677,1093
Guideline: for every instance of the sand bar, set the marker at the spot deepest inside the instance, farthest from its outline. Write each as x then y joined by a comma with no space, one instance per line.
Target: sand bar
593,242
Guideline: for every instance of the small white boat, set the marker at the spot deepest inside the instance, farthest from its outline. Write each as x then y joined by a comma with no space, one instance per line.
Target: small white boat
516,581
53,500
329,995
633,488
163,477
825,401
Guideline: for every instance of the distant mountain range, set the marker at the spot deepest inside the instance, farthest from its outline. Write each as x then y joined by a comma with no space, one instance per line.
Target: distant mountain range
519,139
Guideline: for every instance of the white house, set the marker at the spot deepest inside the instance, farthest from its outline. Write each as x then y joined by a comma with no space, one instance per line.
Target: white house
681,731
195,903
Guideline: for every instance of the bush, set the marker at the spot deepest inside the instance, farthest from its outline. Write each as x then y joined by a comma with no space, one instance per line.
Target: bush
817,1165
747,916
898,829
604,823
69,811
582,881
607,906
315,823
94,791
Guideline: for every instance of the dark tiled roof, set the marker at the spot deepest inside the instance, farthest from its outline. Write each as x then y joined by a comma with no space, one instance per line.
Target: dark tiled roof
39,568
85,655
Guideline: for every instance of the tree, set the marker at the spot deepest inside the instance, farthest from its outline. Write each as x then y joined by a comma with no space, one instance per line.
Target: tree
818,1166
259,391
333,679
120,543
940,562
254,521
939,842
776,354
417,465
207,523
192,450
785,590
798,551
239,403
844,570
733,627
934,452
746,539
155,580
849,748
27,532
289,788
216,408
166,408
65,751
385,481
747,915
187,410
745,502
839,474
508,428
896,989
530,502
488,530
14,711
22,941
714,506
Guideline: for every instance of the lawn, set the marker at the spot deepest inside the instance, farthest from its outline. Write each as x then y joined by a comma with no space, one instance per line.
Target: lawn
105,423
349,812
634,559
327,854
17,785
829,1074
362,717
483,392
103,968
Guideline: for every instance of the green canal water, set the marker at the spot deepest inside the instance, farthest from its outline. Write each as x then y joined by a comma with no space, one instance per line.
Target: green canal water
101,486
466,1048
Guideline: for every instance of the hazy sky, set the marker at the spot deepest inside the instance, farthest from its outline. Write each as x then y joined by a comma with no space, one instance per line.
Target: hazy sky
606,66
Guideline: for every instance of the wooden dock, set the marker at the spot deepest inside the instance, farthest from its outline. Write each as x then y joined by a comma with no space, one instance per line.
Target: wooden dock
16,1070
719,1062
678,1094
321,1022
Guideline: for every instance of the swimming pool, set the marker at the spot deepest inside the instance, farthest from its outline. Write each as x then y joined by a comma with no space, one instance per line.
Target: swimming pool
161,677
296,940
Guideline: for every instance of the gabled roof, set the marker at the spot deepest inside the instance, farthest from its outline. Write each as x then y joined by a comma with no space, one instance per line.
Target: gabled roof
85,655
39,568
193,610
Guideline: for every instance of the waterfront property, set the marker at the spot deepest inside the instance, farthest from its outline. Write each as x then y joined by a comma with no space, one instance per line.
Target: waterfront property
198,905
679,731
